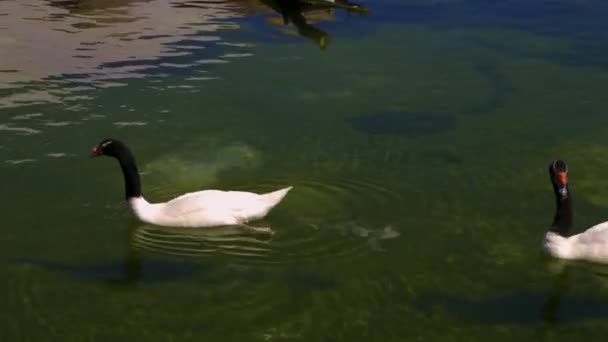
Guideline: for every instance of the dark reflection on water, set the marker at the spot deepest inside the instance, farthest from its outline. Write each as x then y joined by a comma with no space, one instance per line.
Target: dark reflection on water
158,254
555,305
136,268
295,12
89,45
98,44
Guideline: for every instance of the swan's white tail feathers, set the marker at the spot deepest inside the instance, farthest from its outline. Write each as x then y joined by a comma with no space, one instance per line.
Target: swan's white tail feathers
273,198
558,246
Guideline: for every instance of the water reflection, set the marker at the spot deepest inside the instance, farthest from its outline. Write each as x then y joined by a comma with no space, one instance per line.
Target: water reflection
554,305
549,311
136,267
89,44
132,270
296,12
94,44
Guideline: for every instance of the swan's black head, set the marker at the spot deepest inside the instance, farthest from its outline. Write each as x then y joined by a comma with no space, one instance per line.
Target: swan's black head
562,223
117,149
558,171
108,147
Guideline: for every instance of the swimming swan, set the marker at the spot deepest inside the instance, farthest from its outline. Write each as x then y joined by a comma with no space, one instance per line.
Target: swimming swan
590,245
205,208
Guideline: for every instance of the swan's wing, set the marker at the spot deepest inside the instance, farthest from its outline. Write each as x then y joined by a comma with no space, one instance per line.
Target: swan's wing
598,227
213,205
597,234
592,245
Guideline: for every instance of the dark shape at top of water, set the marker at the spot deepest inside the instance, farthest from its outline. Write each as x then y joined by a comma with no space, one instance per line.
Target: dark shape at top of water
403,123
294,12
85,5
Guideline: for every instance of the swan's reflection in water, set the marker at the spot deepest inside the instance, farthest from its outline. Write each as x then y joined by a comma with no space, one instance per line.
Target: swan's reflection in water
159,254
164,255
557,302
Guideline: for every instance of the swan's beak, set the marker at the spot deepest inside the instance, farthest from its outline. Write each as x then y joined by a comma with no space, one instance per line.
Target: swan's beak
96,152
562,179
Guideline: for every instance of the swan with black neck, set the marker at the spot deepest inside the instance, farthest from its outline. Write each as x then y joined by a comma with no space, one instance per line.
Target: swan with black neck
590,245
204,208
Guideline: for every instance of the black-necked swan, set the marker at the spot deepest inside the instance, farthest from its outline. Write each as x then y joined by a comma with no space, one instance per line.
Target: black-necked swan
590,245
205,208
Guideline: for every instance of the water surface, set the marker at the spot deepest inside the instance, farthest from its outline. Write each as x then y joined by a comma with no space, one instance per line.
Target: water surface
416,137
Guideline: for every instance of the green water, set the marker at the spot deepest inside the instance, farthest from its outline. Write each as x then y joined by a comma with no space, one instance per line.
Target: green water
417,143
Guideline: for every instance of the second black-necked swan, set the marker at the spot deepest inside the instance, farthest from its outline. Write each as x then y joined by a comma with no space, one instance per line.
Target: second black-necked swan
590,245
204,208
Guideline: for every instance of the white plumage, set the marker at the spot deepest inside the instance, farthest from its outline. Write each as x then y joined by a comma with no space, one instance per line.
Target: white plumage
207,208
590,245
197,209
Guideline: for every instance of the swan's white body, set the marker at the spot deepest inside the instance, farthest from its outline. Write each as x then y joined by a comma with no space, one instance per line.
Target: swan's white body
207,208
590,245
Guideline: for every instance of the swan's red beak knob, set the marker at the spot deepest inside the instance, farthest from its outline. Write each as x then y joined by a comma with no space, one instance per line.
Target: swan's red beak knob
96,152
561,178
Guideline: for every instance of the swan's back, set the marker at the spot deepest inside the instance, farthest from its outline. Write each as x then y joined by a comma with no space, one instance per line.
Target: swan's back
590,245
216,207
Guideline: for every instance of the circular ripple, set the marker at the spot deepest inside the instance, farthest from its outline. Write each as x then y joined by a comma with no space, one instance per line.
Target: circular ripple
318,220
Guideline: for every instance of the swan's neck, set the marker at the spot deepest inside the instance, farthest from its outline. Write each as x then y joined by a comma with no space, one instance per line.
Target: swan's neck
562,223
131,175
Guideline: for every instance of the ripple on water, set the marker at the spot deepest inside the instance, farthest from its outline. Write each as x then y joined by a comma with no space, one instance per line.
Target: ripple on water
27,116
59,155
18,130
60,123
130,123
316,221
19,161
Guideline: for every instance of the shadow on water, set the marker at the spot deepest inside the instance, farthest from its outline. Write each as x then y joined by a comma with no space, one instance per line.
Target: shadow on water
295,12
135,268
553,306
158,254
